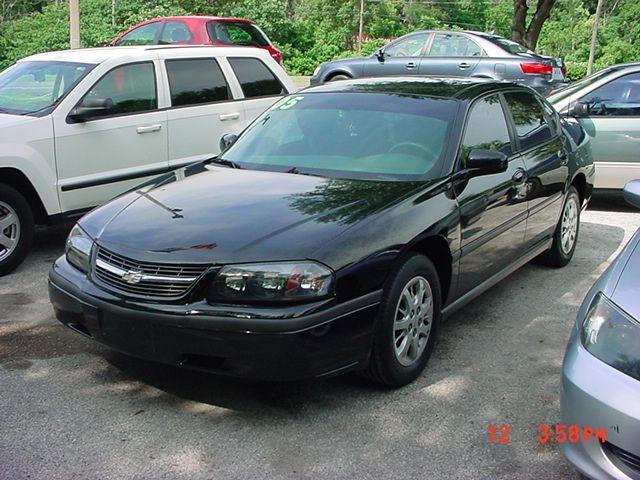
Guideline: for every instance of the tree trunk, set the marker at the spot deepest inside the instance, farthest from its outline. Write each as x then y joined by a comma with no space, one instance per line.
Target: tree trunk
528,35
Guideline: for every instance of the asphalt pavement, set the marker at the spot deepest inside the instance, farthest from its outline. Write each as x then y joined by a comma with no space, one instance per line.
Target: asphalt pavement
70,408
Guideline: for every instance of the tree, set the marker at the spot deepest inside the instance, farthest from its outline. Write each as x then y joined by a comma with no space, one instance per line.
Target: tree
528,35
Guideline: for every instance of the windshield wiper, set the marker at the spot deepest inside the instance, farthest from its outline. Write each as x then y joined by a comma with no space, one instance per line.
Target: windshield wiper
295,171
222,161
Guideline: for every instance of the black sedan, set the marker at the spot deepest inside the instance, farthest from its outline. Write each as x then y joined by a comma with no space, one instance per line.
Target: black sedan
334,234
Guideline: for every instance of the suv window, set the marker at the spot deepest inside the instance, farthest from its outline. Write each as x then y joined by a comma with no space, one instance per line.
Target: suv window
529,119
255,78
236,33
175,32
482,134
131,88
620,97
144,35
451,45
193,81
410,46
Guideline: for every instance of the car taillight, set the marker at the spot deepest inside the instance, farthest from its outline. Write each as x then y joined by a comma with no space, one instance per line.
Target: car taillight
564,71
536,68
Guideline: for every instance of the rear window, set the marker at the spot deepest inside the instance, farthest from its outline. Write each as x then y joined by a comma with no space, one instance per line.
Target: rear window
508,45
529,119
255,78
236,33
196,81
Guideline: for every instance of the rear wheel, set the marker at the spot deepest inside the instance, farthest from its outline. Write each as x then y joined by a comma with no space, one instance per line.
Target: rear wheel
16,228
407,324
565,237
338,77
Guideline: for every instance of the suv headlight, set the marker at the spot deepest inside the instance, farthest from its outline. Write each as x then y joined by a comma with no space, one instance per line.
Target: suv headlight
613,336
317,71
271,282
78,249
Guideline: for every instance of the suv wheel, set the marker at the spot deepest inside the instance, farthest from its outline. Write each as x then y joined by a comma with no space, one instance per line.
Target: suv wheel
565,237
338,77
407,325
16,228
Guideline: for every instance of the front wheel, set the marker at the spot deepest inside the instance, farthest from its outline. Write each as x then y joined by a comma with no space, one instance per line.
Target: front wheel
16,228
407,324
565,237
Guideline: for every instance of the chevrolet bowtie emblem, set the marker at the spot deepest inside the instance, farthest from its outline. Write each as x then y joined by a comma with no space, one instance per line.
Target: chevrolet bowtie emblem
132,276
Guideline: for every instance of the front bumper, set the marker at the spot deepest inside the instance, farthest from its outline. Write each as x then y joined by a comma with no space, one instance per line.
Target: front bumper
300,344
596,395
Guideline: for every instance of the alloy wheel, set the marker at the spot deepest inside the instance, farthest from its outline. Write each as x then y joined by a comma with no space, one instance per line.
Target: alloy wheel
413,321
569,228
9,230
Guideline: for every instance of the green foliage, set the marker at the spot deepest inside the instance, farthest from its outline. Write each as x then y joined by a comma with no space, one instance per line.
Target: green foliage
314,31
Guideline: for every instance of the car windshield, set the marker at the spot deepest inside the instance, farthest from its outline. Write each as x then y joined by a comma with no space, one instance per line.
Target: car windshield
579,85
36,86
349,135
508,45
237,33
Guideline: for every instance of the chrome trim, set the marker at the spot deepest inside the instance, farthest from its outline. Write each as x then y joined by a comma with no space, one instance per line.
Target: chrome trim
144,277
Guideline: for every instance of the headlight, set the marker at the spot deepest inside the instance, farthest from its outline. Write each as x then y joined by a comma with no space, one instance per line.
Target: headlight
271,282
317,71
613,336
78,249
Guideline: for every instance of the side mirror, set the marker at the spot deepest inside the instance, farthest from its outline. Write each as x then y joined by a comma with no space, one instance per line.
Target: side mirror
227,140
91,108
578,110
380,54
631,193
486,162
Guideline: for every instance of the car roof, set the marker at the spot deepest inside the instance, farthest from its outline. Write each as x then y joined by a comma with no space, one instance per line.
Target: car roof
202,18
445,87
102,54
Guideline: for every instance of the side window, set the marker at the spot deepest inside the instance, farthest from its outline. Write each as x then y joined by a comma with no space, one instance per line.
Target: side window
144,35
131,89
195,81
451,45
480,133
175,32
618,98
530,122
410,46
255,78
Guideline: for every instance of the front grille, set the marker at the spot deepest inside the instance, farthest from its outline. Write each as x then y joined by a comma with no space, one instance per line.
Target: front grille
145,278
629,459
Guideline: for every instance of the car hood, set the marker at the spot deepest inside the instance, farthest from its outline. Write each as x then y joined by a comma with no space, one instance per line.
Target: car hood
213,214
625,292
8,121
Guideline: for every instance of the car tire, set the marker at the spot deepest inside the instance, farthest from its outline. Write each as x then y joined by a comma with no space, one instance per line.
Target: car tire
339,77
391,363
16,228
565,237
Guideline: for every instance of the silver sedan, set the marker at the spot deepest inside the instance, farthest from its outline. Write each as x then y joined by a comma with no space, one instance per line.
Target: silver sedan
601,370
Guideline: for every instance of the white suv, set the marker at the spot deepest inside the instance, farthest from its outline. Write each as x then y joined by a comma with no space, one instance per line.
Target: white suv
79,127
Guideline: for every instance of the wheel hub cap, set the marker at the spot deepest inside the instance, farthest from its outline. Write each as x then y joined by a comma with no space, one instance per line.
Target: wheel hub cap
9,230
569,228
413,320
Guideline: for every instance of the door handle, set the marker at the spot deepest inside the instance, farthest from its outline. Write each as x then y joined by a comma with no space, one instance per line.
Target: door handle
411,66
149,129
464,65
519,176
225,117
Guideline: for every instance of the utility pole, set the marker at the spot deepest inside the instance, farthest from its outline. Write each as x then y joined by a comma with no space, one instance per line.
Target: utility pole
594,37
361,26
74,23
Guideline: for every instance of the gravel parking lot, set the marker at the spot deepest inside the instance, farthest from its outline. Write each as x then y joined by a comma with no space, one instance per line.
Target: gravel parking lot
73,409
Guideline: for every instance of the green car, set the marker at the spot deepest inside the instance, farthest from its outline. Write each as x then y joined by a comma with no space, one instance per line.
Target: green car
607,105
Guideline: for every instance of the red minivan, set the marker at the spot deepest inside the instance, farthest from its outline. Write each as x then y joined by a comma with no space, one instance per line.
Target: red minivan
198,30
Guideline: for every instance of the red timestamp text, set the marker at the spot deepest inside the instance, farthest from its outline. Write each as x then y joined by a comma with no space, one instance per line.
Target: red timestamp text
548,434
